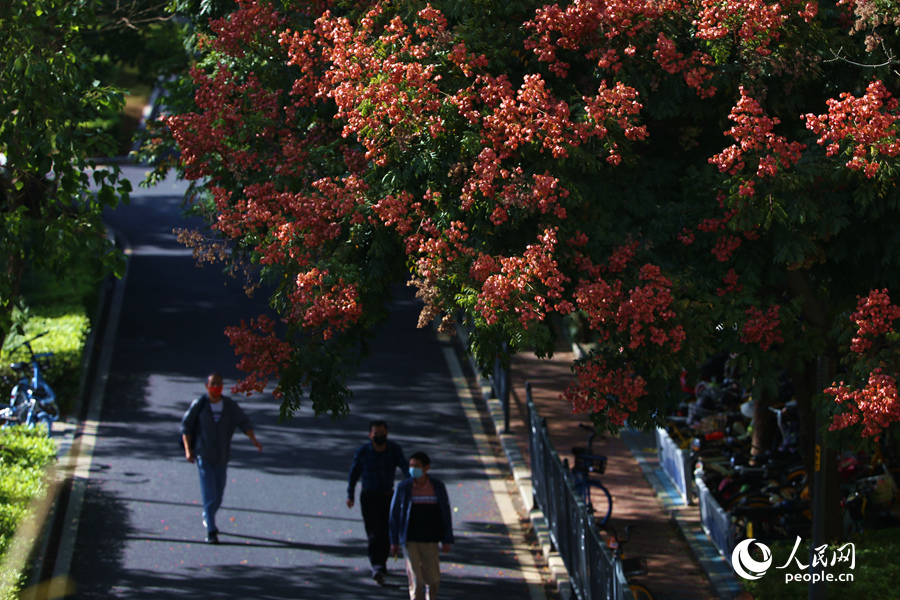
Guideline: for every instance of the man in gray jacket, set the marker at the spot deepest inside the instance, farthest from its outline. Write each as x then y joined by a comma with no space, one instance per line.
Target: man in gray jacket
206,430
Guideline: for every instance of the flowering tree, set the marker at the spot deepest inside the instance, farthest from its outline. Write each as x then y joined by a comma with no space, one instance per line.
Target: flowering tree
685,177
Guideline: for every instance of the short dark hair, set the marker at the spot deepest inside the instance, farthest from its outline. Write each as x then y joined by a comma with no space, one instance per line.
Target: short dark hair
377,423
421,457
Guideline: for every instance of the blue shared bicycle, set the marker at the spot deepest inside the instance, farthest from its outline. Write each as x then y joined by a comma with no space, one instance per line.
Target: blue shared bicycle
31,401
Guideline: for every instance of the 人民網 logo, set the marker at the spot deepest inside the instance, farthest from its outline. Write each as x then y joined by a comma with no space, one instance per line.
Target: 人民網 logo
745,565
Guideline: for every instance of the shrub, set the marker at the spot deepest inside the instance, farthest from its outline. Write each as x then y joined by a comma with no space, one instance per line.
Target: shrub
25,455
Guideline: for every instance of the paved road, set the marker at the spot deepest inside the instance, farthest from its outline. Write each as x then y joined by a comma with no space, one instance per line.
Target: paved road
285,529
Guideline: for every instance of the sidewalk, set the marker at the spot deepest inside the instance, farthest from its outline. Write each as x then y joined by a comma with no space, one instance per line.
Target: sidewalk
682,563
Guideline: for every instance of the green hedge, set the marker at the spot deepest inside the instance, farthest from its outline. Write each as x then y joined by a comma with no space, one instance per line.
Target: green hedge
25,455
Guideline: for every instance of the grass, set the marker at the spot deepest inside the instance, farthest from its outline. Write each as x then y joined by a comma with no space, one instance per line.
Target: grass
874,575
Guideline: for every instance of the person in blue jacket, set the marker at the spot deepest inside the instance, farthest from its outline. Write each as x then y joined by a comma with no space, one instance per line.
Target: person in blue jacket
421,524
206,431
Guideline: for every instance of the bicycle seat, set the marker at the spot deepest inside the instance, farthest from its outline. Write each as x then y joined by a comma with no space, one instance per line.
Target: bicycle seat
19,366
594,463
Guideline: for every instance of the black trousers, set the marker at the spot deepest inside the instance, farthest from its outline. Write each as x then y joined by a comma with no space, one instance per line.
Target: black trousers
376,510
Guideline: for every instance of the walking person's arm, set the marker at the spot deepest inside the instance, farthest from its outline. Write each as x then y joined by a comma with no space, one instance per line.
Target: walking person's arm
188,424
355,472
253,439
444,502
242,421
394,521
188,448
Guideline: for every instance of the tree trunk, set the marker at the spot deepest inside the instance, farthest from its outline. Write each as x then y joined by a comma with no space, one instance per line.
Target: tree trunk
806,388
765,426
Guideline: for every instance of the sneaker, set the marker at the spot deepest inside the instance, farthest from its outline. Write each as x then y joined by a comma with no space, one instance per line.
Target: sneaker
212,537
378,577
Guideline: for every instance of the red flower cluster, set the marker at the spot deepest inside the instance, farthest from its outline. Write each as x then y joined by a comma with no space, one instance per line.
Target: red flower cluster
609,32
599,388
874,317
263,354
754,135
531,284
319,305
754,23
762,328
643,313
876,406
867,126
731,283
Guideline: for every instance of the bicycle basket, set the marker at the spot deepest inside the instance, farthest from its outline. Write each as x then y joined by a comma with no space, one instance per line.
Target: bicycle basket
588,463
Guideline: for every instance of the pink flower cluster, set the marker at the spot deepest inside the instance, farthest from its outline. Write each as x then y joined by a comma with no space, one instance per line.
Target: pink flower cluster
320,305
290,225
874,317
531,284
609,32
762,327
600,388
382,82
254,24
642,313
263,354
754,133
867,126
876,405
731,283
755,24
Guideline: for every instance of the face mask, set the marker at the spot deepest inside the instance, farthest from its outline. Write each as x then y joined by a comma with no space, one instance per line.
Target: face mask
214,390
416,472
379,440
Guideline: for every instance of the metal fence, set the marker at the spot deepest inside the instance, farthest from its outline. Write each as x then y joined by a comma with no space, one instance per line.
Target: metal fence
675,462
594,572
715,521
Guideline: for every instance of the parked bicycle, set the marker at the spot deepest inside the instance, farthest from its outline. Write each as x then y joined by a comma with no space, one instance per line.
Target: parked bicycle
595,495
632,567
31,401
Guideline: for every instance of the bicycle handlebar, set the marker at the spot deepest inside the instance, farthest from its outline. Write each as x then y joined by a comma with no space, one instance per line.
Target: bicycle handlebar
27,343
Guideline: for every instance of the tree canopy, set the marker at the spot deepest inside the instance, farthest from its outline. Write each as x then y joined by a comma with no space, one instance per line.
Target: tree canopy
52,192
681,177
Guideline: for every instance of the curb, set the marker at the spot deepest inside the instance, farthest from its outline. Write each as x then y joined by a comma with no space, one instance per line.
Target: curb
50,565
720,576
522,476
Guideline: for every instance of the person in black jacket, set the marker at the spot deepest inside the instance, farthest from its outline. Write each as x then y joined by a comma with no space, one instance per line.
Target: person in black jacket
376,462
206,430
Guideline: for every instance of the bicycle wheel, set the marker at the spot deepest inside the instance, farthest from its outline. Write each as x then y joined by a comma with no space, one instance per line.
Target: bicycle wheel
601,501
640,592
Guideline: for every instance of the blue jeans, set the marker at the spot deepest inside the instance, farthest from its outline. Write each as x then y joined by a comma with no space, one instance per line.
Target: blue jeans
212,488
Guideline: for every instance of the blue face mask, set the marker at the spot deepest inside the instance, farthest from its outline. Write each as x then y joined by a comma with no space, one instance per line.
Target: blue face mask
416,472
